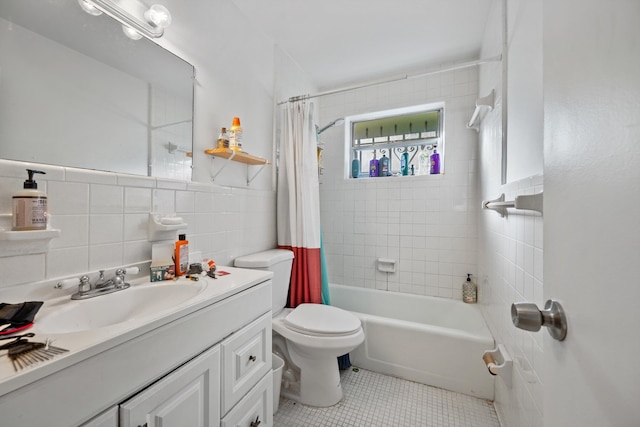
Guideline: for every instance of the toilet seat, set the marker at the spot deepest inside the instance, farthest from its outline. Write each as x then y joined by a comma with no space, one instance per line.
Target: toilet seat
322,320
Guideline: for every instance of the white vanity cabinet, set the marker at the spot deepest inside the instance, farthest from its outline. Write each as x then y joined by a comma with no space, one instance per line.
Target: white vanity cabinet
189,396
108,418
209,367
247,391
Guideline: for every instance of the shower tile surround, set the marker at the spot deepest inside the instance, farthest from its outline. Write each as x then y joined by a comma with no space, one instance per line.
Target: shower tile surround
103,217
426,223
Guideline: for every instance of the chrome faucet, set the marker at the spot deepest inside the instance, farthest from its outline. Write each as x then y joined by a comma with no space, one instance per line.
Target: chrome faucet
103,286
101,282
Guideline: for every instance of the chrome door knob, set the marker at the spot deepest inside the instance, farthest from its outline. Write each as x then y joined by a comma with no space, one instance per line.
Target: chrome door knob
527,316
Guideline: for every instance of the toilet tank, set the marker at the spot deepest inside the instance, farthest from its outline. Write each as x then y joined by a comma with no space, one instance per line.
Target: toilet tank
278,261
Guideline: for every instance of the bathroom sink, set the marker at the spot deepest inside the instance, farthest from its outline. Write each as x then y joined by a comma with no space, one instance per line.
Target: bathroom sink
118,307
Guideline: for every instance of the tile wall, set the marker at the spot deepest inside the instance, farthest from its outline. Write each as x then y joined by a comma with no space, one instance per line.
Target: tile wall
510,269
103,217
426,223
510,252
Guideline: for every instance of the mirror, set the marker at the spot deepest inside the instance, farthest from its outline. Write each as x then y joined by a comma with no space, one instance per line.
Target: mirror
75,91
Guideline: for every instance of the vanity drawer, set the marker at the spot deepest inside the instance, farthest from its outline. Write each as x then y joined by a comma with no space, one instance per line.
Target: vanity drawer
246,358
255,409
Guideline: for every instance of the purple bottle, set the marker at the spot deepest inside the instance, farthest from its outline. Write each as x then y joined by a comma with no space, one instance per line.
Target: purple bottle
373,166
435,163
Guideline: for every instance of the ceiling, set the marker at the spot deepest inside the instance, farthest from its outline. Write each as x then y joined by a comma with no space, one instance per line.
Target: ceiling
341,42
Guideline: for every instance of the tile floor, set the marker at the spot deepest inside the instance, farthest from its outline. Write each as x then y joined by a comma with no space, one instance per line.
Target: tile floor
376,400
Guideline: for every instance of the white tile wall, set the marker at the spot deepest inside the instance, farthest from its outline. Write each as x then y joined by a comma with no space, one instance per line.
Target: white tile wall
426,223
509,257
511,270
103,218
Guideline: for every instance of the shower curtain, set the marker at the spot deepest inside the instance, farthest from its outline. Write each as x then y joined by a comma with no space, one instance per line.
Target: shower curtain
298,202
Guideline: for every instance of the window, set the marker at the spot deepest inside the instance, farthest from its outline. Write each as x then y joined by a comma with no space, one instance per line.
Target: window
384,142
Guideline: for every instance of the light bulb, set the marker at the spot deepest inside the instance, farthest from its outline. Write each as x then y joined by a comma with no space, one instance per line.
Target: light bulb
158,16
89,7
131,33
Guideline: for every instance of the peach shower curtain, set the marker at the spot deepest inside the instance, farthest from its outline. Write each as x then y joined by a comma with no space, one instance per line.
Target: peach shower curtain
298,206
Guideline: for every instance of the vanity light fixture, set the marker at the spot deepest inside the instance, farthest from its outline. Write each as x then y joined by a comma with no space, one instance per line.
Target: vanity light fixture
152,25
130,32
89,7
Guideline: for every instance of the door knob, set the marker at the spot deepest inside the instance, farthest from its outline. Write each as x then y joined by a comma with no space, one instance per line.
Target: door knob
527,316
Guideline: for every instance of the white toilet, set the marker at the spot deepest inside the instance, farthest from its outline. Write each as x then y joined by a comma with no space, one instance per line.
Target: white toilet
309,338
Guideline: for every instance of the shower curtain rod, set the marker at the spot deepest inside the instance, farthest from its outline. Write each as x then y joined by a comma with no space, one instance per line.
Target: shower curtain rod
405,77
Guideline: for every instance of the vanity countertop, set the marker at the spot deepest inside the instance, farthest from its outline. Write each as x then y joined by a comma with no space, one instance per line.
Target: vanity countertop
84,344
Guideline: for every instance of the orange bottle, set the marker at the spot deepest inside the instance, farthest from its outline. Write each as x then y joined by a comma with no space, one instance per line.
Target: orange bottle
181,255
235,135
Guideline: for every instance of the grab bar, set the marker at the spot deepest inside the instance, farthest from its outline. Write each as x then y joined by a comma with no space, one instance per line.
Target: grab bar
487,101
532,202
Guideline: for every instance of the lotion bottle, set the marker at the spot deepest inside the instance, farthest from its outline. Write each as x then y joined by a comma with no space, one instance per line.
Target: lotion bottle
182,255
30,206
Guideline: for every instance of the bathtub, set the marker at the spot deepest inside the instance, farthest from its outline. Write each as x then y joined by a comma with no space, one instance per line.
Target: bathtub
433,341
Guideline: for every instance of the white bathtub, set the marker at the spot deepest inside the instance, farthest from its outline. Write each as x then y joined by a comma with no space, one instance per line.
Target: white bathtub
434,341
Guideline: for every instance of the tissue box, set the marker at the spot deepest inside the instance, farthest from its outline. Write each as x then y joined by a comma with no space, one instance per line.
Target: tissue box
162,265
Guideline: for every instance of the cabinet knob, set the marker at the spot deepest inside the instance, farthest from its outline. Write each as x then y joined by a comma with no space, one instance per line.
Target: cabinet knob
255,423
253,358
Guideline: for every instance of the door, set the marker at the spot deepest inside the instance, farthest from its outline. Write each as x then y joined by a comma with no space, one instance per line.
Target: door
592,211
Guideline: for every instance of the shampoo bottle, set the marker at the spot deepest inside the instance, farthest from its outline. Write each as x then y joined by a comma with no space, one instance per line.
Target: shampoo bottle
373,165
469,291
355,168
404,163
435,163
182,255
383,167
29,206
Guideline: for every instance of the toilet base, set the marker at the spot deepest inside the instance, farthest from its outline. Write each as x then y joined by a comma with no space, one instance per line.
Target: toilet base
319,382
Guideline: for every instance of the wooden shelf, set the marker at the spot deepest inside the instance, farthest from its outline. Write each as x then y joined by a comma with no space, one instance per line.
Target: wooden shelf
237,156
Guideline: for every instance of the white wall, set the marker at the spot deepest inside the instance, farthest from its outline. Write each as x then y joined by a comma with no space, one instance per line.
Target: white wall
426,223
510,249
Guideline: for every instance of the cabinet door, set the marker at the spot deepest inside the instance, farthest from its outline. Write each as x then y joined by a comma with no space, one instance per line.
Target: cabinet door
108,418
189,396
246,358
255,409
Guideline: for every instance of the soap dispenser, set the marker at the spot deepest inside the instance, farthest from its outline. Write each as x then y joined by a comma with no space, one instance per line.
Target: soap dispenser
469,291
29,206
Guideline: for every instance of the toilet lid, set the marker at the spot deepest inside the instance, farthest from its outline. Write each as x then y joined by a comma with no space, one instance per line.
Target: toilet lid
319,319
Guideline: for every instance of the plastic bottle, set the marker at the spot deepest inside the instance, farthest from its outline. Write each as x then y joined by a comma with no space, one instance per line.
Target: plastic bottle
181,255
373,165
355,168
469,291
223,139
425,163
435,163
383,166
29,206
404,163
235,135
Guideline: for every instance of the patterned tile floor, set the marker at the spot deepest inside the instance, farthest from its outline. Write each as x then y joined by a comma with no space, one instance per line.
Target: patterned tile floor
376,400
